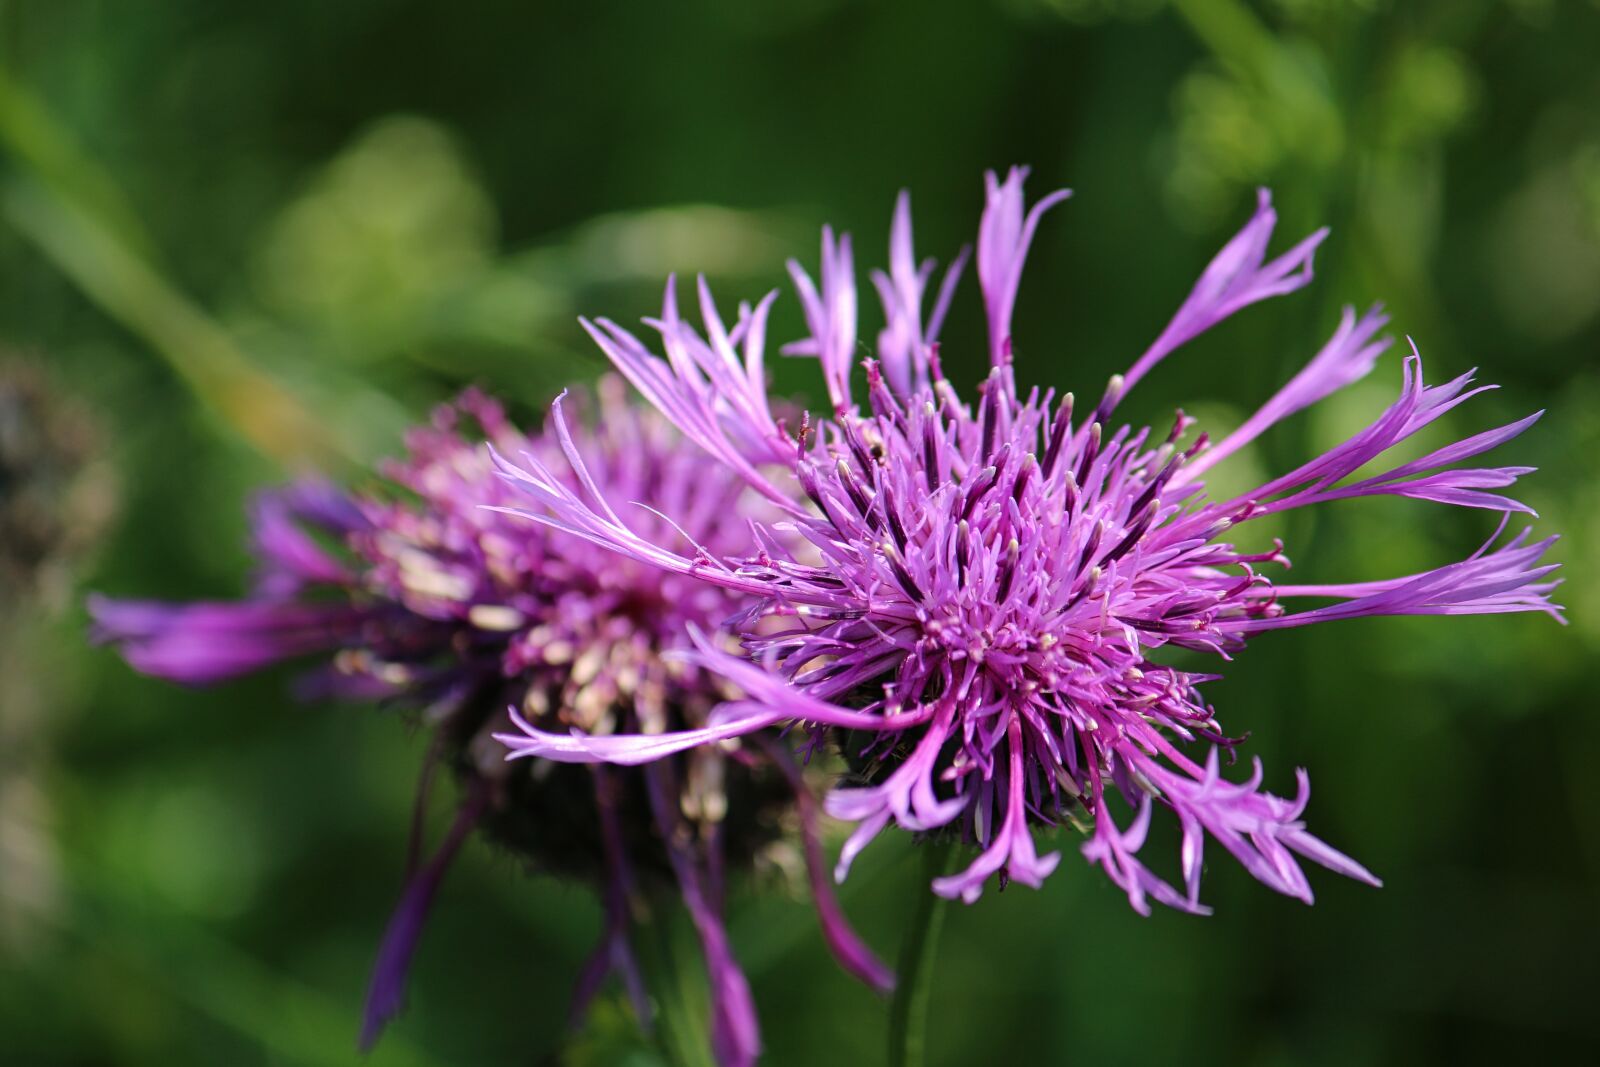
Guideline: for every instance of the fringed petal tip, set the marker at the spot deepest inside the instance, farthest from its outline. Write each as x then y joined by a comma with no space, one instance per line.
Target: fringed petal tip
1004,234
1261,830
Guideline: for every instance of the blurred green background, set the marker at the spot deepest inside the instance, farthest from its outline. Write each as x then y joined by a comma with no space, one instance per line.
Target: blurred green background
240,239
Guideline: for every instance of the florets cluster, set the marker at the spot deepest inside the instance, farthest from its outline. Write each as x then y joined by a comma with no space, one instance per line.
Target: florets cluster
421,591
977,598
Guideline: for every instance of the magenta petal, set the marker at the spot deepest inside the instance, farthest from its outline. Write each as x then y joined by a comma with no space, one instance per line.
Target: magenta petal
202,643
623,749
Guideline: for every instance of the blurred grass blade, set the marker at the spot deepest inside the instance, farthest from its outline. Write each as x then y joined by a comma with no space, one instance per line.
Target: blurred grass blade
289,1020
42,148
250,403
1274,65
1232,32
65,208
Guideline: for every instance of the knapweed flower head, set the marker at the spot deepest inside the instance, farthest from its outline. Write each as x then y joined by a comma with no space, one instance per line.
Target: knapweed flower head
416,592
990,587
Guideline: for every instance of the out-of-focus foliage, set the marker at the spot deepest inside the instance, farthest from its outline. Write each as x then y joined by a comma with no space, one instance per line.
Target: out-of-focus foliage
242,238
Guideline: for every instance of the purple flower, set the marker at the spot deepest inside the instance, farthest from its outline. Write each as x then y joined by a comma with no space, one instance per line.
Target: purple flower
986,589
415,591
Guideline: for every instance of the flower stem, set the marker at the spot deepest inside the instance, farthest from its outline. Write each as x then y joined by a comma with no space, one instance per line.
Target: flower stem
908,1013
677,983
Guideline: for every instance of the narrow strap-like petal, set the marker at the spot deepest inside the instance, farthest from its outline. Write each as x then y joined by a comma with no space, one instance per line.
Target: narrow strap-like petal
386,992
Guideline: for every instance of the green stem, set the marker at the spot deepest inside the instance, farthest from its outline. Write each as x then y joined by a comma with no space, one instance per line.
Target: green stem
676,980
908,1013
